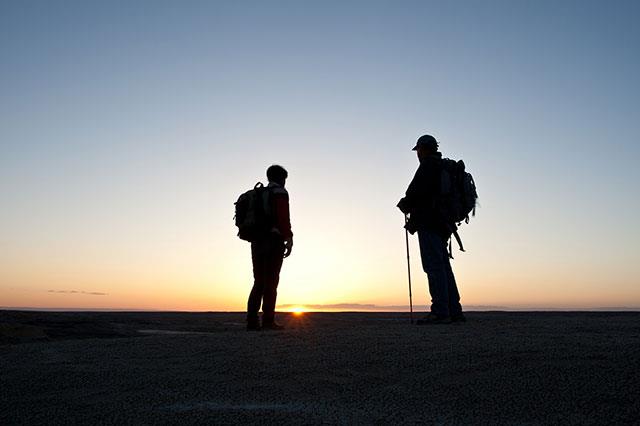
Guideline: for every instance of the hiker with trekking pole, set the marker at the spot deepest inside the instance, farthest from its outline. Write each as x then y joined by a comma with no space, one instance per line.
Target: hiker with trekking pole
440,197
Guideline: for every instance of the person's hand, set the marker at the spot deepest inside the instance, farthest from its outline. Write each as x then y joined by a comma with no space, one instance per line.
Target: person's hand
288,245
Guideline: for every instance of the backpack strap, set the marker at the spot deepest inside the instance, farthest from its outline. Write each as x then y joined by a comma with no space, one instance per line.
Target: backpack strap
458,239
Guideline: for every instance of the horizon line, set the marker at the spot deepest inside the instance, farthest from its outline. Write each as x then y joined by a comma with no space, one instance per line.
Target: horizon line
342,308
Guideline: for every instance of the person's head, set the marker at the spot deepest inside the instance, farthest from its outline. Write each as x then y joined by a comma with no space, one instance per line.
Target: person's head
426,145
277,174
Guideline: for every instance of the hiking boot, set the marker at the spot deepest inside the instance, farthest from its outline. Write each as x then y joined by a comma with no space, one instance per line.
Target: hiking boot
272,326
459,318
434,319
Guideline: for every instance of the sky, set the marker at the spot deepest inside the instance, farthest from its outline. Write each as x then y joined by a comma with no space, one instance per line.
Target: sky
129,129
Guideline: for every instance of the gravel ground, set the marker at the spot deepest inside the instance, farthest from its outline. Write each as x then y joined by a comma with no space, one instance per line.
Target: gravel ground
346,368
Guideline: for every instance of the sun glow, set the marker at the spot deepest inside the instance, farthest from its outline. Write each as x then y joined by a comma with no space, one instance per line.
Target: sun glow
297,310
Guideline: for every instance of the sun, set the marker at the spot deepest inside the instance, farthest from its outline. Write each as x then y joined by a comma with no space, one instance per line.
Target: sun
297,310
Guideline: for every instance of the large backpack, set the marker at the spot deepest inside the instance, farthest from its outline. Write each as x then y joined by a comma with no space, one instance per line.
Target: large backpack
253,213
458,196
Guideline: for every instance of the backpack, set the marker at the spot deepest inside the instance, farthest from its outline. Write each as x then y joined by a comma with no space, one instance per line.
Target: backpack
458,196
253,213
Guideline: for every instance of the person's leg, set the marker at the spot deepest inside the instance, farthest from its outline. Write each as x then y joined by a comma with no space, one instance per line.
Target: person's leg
455,309
272,278
433,253
259,260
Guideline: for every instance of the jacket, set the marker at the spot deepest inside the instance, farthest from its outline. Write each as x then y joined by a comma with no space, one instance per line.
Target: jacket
420,199
281,223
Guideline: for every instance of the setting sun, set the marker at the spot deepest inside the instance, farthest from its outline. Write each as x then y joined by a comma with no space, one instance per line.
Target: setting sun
297,310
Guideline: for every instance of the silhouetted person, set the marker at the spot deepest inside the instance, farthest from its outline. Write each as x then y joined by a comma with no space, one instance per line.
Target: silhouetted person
267,252
433,230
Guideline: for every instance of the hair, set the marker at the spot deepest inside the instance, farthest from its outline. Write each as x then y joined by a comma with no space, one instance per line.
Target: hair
276,173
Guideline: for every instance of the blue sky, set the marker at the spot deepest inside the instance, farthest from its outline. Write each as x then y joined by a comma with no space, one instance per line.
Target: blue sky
128,130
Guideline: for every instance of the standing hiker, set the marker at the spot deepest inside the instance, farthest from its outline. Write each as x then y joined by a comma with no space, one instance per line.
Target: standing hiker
429,216
262,216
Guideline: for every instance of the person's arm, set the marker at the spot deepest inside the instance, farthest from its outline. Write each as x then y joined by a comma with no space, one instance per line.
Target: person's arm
422,188
414,192
283,221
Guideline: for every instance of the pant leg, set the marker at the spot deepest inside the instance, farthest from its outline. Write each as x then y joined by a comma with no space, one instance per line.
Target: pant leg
454,296
260,262
435,262
272,278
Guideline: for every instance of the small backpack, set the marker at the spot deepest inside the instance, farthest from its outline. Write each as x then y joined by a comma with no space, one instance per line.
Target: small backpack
253,213
458,196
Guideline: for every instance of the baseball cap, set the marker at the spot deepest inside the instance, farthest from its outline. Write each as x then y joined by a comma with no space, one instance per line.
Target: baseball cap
427,141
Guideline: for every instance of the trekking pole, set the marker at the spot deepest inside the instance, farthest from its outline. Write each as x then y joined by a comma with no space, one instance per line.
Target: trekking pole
406,239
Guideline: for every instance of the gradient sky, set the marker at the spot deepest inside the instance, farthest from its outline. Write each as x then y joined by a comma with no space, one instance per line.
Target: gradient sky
128,129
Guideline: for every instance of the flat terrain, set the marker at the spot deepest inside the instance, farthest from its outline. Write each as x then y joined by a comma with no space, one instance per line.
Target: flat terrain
204,368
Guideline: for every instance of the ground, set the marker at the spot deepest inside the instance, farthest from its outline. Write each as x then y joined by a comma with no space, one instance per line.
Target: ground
351,368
